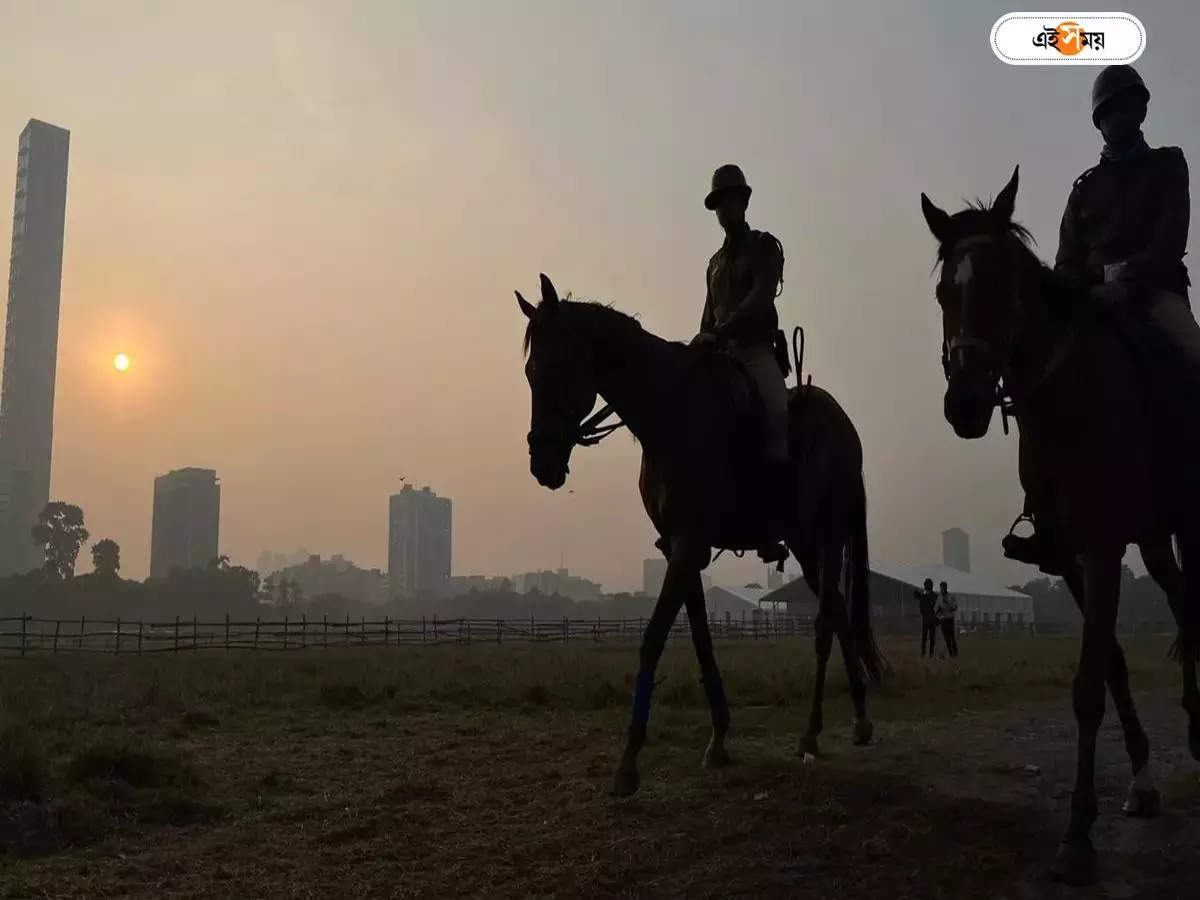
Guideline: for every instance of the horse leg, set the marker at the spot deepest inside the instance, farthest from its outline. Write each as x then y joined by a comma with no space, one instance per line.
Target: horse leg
710,676
863,729
1143,800
1187,615
683,572
814,576
1076,859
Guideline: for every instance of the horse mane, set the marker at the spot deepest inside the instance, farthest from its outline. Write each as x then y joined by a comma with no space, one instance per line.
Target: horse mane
587,308
978,218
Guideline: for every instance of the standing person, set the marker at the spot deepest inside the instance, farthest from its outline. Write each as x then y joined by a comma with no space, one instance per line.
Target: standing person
947,606
743,280
927,603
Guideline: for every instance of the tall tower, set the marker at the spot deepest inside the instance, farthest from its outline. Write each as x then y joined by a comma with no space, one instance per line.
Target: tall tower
187,516
31,340
956,549
419,529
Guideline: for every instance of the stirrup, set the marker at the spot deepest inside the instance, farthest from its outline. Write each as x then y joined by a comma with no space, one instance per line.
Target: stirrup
1023,517
774,552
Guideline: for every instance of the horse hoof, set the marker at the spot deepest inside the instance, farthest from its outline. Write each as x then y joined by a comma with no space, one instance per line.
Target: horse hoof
625,783
808,747
717,757
1075,864
1142,804
863,732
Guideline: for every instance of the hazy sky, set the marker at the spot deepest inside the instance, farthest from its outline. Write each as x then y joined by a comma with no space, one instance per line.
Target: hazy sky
304,222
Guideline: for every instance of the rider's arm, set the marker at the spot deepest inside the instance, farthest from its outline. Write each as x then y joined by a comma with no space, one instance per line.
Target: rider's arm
1071,259
767,268
1164,251
706,319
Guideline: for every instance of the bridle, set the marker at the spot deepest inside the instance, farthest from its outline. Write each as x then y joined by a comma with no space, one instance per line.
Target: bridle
963,342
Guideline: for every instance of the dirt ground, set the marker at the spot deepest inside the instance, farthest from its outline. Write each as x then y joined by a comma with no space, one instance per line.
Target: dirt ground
380,802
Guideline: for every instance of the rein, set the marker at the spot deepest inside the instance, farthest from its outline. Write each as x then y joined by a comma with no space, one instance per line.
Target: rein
591,432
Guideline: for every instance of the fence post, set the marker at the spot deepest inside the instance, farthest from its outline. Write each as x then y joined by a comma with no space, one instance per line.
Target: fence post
79,643
195,636
285,632
532,630
23,618
596,630
499,631
362,625
57,625
422,629
117,645
325,640
177,634
303,630
257,625
435,631
226,632
565,631
385,631
468,632
141,628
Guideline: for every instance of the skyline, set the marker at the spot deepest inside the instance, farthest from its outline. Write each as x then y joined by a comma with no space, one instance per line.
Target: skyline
307,243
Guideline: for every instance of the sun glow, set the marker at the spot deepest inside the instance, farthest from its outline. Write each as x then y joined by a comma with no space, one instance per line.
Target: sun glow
121,362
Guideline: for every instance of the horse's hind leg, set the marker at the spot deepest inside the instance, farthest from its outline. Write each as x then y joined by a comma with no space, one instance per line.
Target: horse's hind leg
1184,597
823,628
1143,799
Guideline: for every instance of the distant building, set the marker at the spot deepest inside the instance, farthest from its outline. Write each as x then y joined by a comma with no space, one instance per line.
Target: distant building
337,575
956,549
559,582
187,513
419,533
893,606
458,585
31,340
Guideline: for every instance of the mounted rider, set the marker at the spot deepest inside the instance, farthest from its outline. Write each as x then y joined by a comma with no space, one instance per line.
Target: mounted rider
1123,237
743,279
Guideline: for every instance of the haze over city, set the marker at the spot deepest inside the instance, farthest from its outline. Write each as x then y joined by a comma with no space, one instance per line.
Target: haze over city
303,223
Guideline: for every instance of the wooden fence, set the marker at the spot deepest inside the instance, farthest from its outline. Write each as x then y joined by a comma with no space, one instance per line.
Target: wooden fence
24,635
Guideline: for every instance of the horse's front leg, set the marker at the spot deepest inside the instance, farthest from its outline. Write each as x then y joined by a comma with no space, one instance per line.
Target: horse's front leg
1100,582
684,565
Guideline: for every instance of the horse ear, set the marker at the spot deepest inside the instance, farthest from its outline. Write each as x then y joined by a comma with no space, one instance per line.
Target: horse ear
526,306
938,220
1006,200
549,294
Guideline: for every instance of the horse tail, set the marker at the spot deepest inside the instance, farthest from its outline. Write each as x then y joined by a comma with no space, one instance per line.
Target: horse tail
858,575
1186,645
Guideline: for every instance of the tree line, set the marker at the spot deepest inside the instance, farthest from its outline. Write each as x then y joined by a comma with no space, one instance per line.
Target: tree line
55,592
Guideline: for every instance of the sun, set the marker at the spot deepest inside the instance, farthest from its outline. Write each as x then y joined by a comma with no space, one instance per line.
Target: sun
121,362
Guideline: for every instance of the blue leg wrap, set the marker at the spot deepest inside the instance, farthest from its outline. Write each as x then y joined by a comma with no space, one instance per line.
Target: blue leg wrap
643,688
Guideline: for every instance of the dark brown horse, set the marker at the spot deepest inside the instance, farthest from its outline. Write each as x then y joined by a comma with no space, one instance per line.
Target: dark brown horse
1012,328
700,480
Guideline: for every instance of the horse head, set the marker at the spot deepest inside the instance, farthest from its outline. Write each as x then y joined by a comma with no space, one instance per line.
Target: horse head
562,384
981,304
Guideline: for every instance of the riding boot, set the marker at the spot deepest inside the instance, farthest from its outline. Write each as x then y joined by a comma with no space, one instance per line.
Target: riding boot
1033,550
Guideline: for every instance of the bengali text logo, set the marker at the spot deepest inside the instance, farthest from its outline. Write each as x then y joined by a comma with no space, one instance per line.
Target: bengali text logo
1066,38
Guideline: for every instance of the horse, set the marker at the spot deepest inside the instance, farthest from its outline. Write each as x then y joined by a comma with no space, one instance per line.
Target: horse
694,416
1019,336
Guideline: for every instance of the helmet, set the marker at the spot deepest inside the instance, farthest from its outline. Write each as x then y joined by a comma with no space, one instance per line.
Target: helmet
728,177
1114,80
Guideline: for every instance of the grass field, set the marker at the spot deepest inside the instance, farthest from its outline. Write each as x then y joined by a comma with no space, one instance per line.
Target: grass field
483,771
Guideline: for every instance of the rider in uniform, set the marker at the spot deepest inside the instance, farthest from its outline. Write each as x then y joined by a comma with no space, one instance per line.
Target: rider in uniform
1122,238
743,280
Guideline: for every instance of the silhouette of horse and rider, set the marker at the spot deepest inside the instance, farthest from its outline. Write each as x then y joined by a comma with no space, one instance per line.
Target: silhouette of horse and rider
1097,359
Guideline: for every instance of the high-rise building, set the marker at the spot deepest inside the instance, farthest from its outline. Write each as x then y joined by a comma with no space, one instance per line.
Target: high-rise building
419,529
187,513
31,340
956,549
